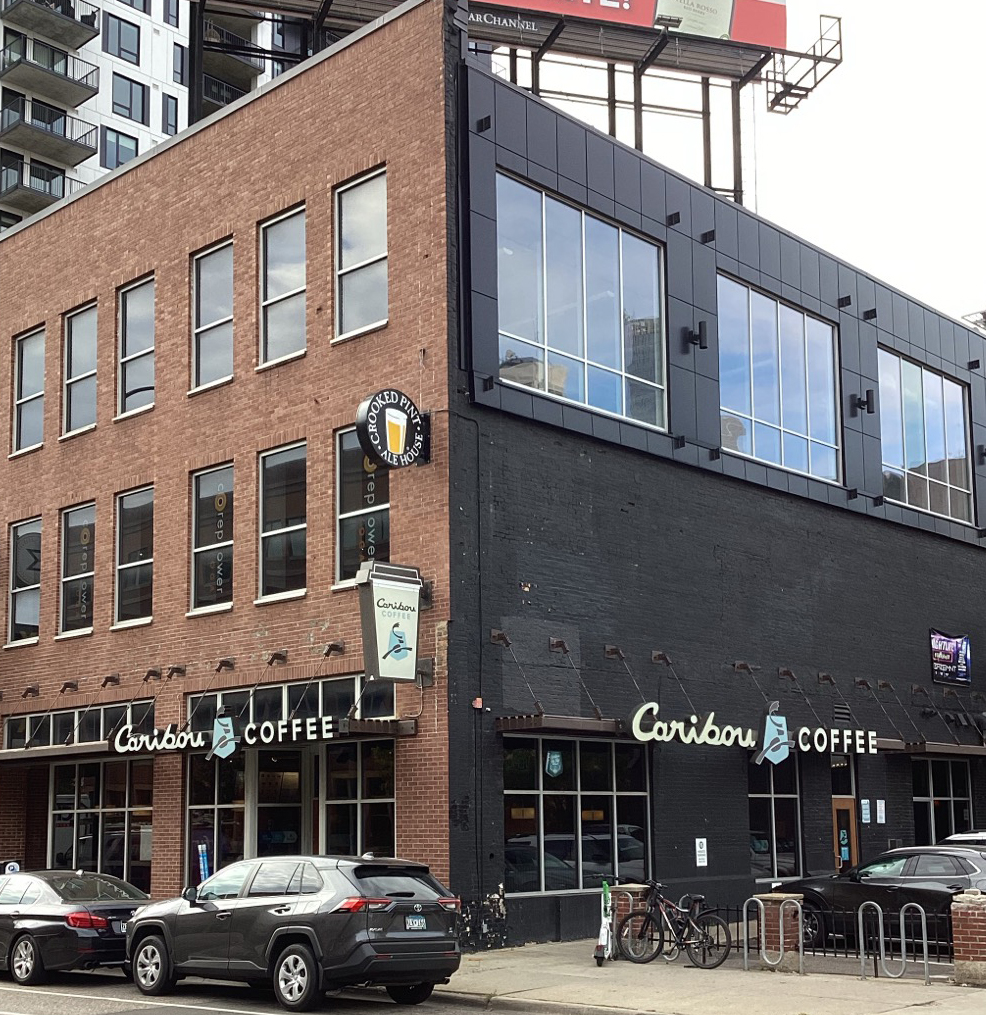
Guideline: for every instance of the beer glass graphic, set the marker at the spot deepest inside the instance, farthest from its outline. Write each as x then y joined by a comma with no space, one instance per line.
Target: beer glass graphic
396,430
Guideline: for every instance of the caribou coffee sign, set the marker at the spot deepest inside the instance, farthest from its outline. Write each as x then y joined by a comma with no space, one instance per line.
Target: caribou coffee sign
223,740
773,745
391,430
390,600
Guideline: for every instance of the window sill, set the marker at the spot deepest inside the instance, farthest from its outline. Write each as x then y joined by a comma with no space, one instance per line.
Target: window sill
24,451
133,412
77,433
202,388
290,357
349,583
123,625
281,597
359,333
785,468
22,642
66,635
205,611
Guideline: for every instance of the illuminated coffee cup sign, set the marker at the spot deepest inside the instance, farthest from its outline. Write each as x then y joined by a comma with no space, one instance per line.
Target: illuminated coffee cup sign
390,602
391,430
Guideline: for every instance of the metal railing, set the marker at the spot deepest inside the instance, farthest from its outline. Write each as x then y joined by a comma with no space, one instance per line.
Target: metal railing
34,51
235,44
47,181
45,118
77,10
220,92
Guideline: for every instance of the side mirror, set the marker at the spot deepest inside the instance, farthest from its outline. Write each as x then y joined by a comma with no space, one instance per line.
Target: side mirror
190,894
854,875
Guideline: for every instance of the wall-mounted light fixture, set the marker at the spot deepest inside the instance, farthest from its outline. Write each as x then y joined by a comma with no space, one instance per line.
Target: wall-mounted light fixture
858,405
700,337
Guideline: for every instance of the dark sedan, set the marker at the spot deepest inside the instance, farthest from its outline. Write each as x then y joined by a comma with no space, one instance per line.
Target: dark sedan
926,875
58,920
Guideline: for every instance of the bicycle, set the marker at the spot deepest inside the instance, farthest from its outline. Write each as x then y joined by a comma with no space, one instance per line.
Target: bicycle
699,932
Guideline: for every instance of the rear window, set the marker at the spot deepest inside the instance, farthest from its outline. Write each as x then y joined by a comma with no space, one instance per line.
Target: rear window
92,888
397,883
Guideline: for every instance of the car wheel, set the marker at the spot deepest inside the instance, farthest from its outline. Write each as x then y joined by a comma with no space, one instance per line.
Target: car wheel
812,926
296,978
26,964
152,967
414,993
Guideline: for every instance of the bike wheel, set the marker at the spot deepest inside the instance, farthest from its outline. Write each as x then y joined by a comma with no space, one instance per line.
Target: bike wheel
709,941
640,936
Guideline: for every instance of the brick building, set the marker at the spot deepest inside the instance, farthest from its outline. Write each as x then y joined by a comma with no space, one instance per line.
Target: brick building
657,474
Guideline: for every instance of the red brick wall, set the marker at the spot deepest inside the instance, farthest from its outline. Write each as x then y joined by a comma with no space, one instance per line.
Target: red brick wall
379,101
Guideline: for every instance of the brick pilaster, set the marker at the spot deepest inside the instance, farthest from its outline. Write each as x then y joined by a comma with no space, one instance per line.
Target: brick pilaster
772,916
969,937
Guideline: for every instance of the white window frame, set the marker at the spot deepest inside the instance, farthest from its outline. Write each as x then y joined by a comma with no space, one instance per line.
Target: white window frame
353,268
64,580
266,303
20,399
220,544
198,328
125,361
71,380
261,498
122,566
14,592
341,517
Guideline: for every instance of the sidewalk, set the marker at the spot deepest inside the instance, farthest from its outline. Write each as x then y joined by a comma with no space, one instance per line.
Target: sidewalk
563,977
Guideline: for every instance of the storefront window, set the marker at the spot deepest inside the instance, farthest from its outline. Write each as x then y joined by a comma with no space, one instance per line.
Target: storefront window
575,812
775,836
101,818
279,802
360,798
84,725
942,799
215,815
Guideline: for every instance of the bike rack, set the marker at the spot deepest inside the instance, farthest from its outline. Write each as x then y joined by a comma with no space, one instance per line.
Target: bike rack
774,963
903,942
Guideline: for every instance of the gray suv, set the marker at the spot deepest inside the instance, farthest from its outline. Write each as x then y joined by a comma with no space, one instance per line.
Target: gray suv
304,924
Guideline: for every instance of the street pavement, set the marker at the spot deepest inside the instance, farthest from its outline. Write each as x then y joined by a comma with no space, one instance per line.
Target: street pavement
557,978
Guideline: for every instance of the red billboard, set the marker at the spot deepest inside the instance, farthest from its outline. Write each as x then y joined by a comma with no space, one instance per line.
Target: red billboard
761,22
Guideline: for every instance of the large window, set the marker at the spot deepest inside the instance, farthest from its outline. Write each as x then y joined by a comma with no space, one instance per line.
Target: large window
77,726
80,369
137,346
130,99
169,114
364,508
580,306
212,527
359,798
25,580
777,382
118,148
101,819
942,799
361,268
282,271
135,555
29,391
212,333
215,813
283,521
78,573
775,821
121,38
924,427
574,813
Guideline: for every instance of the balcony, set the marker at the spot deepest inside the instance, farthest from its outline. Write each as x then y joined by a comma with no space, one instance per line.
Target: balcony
70,23
31,188
234,61
216,94
33,66
47,133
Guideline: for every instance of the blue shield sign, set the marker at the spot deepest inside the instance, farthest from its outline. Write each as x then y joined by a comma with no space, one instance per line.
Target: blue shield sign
224,740
776,744
553,763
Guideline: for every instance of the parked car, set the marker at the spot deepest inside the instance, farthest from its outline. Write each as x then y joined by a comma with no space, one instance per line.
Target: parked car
926,875
60,920
304,924
971,838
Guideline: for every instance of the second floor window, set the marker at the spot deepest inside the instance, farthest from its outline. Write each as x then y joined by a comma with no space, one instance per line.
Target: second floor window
777,382
29,391
25,580
212,341
282,269
212,527
80,369
361,293
364,508
137,346
283,521
134,555
924,428
78,572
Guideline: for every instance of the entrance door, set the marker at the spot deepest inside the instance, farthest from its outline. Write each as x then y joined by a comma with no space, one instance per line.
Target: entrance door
844,832
286,783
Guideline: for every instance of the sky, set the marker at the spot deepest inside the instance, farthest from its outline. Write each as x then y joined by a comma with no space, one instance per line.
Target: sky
883,164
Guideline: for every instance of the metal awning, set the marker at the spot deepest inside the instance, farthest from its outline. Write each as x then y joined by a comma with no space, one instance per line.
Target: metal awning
60,751
377,727
558,724
930,747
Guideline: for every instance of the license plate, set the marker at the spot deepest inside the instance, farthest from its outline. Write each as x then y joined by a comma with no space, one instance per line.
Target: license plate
121,927
415,923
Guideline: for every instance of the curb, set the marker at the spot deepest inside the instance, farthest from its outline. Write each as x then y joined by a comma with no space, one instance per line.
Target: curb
493,1002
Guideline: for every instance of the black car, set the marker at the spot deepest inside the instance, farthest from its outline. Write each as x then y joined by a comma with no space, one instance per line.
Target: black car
926,875
304,924
58,920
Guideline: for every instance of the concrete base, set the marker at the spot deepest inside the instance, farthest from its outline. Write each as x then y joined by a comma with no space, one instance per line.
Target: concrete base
970,974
